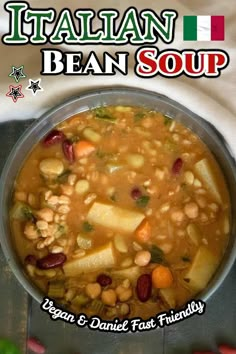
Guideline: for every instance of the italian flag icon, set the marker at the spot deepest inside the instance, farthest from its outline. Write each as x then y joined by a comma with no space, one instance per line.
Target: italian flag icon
203,28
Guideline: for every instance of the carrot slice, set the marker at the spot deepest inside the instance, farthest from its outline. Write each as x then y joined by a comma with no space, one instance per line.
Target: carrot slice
161,277
143,232
83,148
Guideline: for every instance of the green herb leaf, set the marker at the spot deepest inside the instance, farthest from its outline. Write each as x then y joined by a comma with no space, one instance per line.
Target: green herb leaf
142,201
28,214
186,259
100,154
138,116
63,177
87,227
157,255
22,211
113,197
74,139
170,145
167,120
104,114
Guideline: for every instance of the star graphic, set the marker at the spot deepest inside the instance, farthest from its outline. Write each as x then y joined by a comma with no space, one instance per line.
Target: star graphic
15,93
34,86
17,73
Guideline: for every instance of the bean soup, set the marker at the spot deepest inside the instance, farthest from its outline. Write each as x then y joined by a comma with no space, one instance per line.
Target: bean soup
120,212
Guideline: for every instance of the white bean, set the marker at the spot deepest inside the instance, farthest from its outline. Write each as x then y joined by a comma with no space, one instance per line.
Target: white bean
51,167
142,258
82,187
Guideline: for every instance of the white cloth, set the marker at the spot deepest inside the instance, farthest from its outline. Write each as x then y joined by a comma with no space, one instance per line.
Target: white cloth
213,99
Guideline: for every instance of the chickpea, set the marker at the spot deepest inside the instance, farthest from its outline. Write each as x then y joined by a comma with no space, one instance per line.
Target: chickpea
21,196
64,200
124,309
63,209
177,216
126,283
57,249
191,210
202,202
46,214
49,240
214,207
147,123
109,297
123,293
67,189
30,231
93,290
142,258
189,178
42,225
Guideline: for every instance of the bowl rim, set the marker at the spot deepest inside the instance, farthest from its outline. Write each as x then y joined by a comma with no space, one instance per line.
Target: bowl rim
11,255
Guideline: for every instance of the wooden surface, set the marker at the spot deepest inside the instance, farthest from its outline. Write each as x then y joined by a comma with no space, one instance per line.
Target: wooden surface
20,316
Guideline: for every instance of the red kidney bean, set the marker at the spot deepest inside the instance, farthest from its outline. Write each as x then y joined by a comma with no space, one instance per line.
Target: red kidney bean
67,147
104,280
52,260
226,349
55,136
177,166
136,193
144,287
35,346
30,259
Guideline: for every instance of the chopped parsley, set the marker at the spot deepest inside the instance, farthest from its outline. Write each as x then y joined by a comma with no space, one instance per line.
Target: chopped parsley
63,177
87,227
113,197
28,214
142,201
74,139
104,114
167,120
157,255
138,116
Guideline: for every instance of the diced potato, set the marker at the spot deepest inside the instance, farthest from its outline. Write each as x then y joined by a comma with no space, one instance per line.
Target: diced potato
135,160
91,135
131,273
168,296
99,258
202,269
123,109
115,218
194,233
204,171
120,244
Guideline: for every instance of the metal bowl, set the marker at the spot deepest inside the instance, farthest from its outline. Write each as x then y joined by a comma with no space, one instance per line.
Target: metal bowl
114,96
